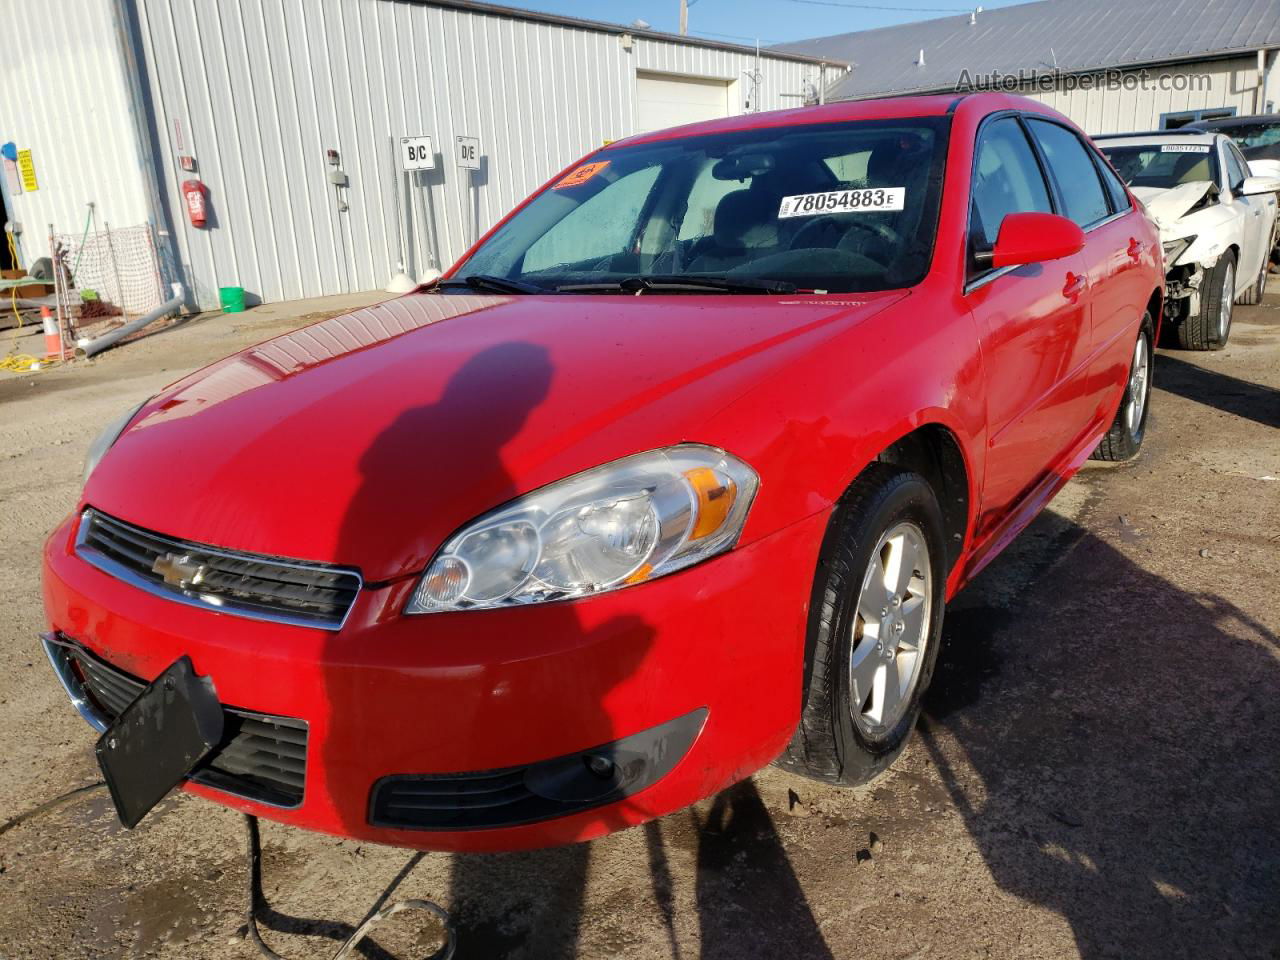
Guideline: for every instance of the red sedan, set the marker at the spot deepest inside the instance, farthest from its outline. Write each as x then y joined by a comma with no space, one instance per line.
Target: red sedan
670,477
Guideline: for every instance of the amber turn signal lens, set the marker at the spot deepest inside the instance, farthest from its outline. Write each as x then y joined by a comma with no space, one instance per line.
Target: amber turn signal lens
715,495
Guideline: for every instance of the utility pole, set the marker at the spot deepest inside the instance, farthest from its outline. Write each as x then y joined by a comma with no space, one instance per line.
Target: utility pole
684,17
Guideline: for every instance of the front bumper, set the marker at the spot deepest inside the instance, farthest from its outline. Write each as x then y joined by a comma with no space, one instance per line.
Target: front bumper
431,699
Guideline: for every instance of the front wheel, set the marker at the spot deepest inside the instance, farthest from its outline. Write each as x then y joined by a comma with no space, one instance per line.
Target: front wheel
1124,439
1209,329
875,627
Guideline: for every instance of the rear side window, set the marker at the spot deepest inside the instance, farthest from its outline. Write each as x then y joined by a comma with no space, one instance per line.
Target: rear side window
1082,197
1006,179
1115,189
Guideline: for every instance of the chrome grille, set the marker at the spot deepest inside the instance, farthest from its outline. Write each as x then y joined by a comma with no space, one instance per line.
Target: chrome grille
244,584
261,757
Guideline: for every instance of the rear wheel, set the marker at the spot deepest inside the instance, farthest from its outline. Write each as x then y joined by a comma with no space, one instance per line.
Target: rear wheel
1124,439
1209,329
874,631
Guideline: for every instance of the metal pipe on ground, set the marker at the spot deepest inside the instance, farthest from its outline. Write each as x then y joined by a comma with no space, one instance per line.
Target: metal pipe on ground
87,348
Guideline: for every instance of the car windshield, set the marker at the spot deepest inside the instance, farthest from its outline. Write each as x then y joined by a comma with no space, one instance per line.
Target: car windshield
1257,141
832,207
1163,164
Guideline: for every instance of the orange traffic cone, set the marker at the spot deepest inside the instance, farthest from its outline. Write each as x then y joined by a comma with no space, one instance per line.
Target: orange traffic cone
52,338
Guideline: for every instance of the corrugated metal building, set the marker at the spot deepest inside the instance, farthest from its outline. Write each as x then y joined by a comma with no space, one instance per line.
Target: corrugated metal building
1110,65
259,91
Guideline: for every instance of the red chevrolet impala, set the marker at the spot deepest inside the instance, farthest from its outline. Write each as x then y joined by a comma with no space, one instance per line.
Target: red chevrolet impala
670,477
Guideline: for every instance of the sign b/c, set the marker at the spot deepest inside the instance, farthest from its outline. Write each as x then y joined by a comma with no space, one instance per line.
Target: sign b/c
417,153
468,151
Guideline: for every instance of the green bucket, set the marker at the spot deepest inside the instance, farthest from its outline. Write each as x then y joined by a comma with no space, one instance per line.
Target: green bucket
232,299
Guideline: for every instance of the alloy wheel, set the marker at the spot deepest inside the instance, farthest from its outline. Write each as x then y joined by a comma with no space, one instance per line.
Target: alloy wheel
891,629
1139,377
1226,302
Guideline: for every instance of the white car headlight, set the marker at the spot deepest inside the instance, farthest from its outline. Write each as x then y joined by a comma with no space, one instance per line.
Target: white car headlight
103,441
614,526
1173,249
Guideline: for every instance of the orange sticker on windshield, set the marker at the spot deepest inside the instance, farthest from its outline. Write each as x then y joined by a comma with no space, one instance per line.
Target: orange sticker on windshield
582,174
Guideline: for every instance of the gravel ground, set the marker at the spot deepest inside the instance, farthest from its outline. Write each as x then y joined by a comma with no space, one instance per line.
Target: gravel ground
1096,774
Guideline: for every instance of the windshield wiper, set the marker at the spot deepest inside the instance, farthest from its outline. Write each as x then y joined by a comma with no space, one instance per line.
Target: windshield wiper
487,281
658,282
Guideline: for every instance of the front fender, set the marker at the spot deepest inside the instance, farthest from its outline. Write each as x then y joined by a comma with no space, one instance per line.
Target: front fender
845,402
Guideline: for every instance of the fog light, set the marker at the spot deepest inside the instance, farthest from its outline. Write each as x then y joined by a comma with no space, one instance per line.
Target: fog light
601,766
615,770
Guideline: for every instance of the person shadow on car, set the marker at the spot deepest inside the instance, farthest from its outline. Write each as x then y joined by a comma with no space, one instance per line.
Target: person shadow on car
531,903
540,893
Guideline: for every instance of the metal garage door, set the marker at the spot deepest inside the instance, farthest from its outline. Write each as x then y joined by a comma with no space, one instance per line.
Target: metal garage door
665,100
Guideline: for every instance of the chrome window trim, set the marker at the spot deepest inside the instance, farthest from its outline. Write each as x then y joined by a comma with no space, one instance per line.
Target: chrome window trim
204,601
984,279
1107,219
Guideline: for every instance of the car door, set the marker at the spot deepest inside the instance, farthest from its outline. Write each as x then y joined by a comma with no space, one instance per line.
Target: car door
1256,227
1034,324
1089,193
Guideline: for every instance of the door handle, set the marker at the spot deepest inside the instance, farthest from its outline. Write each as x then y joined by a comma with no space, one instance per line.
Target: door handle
1135,248
1074,286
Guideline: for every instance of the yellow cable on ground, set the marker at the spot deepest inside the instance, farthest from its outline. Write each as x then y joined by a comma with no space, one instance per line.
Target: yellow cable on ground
19,362
24,362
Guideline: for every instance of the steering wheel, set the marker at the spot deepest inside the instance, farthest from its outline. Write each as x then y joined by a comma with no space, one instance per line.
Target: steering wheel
831,227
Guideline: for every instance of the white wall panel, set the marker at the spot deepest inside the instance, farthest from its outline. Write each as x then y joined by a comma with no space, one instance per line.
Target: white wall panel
63,96
262,88
1226,83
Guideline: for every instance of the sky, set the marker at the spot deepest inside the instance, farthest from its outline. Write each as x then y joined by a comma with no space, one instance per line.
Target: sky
772,21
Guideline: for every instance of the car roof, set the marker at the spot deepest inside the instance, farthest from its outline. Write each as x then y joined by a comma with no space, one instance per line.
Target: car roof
844,111
1181,135
1235,121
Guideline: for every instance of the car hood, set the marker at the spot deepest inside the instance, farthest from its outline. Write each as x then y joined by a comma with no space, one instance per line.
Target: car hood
1167,205
367,439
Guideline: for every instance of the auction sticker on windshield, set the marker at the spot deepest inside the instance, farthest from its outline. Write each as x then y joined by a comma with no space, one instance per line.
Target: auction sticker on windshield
582,174
871,199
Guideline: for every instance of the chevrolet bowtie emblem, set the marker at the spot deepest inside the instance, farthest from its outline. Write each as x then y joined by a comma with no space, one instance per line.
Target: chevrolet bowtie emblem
178,571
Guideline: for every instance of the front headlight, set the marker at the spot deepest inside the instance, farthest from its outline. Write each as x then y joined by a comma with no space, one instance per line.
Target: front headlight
103,441
617,525
1173,249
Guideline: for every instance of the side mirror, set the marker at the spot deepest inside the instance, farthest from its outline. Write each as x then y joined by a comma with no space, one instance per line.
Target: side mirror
1032,238
1252,186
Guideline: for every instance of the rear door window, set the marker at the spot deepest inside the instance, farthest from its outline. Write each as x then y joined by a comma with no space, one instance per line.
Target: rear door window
1115,189
1078,184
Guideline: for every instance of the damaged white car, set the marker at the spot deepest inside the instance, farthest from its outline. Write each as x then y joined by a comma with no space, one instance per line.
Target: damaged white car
1217,223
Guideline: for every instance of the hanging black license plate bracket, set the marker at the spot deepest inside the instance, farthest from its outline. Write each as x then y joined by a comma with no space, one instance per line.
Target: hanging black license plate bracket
159,739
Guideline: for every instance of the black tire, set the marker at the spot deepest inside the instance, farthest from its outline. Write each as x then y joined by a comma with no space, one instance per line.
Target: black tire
1124,439
827,745
1206,330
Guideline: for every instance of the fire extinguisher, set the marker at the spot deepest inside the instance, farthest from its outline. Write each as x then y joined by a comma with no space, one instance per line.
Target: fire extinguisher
193,192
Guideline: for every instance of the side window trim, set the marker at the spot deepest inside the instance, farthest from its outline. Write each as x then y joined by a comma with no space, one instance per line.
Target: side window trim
992,273
1055,187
